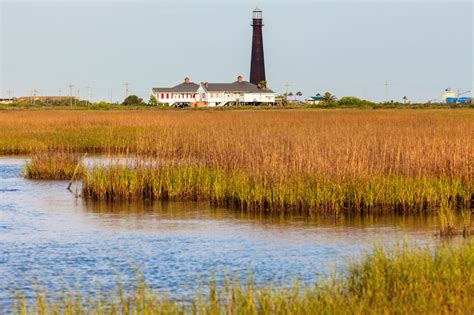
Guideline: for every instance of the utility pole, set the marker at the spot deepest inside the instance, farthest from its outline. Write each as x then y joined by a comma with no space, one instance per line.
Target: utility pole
60,91
287,85
10,92
126,89
88,87
111,97
386,91
34,96
78,97
70,93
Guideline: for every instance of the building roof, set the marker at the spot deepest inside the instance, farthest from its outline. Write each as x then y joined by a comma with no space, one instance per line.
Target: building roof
190,87
315,98
236,87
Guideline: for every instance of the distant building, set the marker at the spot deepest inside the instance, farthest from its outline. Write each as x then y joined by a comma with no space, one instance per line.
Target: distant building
191,94
239,92
314,100
7,100
448,96
181,94
465,100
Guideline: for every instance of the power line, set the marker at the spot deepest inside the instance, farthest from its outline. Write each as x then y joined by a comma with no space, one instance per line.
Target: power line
70,86
34,96
386,90
78,97
88,87
287,85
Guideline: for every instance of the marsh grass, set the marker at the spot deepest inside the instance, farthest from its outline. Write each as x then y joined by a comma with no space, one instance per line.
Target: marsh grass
403,280
329,142
467,222
447,218
60,165
272,193
337,161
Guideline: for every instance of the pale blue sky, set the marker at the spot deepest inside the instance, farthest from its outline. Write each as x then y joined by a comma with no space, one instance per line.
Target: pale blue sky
346,47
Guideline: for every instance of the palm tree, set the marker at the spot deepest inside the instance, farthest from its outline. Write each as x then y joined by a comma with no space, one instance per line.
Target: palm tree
290,94
328,97
299,94
405,99
262,84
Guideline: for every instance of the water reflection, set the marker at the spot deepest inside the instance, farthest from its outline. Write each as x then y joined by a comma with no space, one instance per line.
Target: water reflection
184,211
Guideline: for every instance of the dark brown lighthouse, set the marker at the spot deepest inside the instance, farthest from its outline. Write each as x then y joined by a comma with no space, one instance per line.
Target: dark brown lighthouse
257,65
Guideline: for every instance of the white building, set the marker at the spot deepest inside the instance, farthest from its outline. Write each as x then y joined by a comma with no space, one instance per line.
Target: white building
191,94
448,93
314,100
6,100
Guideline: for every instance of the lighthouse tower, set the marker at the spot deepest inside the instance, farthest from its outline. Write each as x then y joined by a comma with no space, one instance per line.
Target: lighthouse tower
257,65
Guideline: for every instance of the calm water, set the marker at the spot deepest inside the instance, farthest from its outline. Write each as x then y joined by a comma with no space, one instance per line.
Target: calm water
50,239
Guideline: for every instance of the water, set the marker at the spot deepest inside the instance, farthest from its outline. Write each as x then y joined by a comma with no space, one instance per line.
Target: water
51,240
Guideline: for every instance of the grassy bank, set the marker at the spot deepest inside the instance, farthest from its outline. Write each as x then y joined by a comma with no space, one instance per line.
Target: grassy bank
403,280
271,193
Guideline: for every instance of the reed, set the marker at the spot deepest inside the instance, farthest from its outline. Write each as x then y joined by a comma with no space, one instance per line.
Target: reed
466,222
402,280
271,193
58,165
447,218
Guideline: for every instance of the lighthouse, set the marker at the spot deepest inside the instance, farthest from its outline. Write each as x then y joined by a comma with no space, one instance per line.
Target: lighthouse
257,64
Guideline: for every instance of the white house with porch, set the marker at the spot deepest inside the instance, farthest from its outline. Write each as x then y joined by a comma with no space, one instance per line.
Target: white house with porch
191,94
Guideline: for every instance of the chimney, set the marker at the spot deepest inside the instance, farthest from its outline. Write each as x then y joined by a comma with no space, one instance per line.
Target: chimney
186,80
240,79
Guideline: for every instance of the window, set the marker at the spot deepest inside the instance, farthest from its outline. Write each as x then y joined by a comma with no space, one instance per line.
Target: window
162,95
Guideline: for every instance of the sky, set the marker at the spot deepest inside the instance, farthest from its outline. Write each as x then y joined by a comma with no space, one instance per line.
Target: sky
347,47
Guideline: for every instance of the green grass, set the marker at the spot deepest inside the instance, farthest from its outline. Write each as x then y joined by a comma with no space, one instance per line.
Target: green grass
299,194
403,280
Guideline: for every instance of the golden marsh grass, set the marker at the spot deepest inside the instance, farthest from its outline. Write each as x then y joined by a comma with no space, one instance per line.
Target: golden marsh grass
54,165
292,159
328,142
